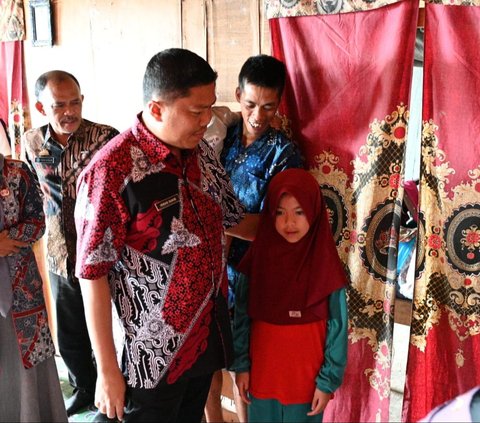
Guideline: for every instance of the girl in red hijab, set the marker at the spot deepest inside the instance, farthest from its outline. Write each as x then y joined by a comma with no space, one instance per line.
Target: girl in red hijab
290,324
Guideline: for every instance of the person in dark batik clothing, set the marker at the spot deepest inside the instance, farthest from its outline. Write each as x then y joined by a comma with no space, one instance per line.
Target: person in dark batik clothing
152,210
57,153
29,385
254,152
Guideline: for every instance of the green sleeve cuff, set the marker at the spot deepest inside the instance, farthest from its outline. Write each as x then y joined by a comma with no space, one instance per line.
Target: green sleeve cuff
331,374
241,327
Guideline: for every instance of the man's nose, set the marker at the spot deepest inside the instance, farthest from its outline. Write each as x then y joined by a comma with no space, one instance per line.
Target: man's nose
69,110
257,113
206,117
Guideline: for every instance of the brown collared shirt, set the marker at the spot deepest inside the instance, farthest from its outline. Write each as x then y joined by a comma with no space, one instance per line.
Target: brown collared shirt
57,168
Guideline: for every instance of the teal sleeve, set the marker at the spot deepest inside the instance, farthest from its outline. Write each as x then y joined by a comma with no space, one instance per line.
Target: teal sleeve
241,327
331,373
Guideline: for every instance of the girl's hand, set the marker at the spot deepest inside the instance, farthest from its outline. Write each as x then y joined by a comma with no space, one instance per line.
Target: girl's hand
9,247
242,380
319,402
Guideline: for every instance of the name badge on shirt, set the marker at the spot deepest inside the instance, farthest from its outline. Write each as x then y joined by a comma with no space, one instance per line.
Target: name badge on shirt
295,313
167,202
45,159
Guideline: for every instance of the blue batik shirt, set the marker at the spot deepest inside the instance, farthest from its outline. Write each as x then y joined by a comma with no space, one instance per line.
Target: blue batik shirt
250,169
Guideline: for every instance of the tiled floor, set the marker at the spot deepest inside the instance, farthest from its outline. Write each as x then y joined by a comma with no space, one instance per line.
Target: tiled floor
83,416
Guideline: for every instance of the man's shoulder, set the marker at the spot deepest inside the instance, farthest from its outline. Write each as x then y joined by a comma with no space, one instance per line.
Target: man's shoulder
15,163
233,131
116,150
283,142
98,125
35,134
279,137
100,128
113,167
205,149
95,135
17,167
286,152
120,142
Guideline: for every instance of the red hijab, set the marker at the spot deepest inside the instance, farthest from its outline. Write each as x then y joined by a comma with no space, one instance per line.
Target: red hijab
289,283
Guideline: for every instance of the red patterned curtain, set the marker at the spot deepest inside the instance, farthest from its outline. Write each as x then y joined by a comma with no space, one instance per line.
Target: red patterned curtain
347,103
13,98
444,356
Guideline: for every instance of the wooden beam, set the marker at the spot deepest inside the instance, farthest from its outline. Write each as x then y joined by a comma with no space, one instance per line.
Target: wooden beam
421,18
403,311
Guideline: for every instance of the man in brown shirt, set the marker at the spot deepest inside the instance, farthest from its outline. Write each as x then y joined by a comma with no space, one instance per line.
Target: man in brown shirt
57,153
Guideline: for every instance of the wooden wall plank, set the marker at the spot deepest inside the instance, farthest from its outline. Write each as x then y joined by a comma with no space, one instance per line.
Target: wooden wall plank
232,38
194,26
265,41
106,44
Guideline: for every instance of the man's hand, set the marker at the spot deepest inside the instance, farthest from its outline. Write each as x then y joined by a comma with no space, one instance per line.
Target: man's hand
110,389
246,228
319,402
8,246
110,393
242,380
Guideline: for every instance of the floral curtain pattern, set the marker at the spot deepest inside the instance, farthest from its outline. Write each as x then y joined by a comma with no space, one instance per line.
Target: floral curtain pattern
346,101
444,352
14,100
291,8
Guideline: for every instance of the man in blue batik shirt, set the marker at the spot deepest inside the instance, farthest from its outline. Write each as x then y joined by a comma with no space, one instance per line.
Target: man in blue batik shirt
254,152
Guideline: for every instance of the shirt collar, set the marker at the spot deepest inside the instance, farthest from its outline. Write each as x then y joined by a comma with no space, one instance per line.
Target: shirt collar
78,133
238,133
155,149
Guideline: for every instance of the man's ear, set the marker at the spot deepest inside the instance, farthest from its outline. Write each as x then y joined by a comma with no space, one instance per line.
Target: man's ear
238,93
156,109
39,107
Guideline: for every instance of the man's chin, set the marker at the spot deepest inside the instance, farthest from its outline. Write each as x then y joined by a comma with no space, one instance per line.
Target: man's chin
258,132
70,128
198,137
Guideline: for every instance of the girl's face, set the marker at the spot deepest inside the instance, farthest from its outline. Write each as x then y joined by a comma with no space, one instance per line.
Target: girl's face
290,220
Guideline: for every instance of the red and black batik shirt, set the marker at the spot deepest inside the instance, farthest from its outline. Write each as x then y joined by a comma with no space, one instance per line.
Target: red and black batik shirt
156,226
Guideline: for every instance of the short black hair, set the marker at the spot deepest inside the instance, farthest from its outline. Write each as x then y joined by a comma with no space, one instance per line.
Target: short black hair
53,75
264,71
171,73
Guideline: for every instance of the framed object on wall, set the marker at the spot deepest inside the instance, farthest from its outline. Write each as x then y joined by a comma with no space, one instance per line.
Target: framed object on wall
41,21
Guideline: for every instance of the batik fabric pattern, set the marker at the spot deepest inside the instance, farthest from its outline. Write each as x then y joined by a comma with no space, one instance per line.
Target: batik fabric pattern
157,228
346,101
291,8
444,353
25,221
57,168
